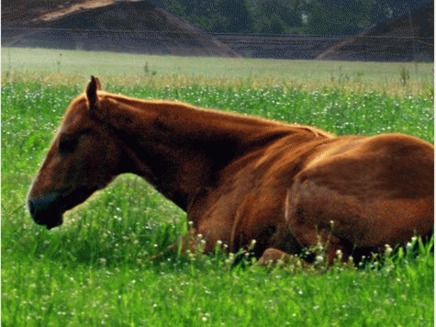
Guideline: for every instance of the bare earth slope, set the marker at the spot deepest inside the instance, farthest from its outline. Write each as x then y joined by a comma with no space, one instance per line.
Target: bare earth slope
128,26
406,38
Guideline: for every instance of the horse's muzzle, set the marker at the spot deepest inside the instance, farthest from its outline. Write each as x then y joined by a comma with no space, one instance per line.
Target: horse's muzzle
47,210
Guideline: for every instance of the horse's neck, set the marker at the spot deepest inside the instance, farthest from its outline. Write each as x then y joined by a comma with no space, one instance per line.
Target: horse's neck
180,149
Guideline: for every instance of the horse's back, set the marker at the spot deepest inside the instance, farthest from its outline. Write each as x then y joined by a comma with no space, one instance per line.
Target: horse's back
367,191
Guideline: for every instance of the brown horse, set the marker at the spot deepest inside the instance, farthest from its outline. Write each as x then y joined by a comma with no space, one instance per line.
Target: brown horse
242,178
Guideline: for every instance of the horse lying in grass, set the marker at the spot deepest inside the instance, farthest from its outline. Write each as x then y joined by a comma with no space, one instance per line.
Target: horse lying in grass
242,178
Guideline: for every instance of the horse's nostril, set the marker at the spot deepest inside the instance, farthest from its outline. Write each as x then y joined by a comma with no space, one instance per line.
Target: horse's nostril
45,210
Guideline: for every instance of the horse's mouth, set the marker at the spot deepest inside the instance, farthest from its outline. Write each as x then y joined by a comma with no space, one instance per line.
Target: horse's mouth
49,209
49,219
53,223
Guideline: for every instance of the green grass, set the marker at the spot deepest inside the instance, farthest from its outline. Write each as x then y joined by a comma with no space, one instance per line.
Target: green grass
95,270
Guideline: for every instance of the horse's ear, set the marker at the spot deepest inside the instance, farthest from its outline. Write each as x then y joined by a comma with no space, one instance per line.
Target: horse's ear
91,92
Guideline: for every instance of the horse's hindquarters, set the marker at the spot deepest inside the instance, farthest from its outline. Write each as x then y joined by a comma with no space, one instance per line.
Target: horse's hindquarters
379,192
316,210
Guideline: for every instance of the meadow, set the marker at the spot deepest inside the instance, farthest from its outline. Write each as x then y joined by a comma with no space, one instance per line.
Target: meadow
97,269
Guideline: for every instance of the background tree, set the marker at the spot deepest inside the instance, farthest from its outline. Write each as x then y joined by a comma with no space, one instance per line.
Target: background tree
319,17
275,16
236,17
338,17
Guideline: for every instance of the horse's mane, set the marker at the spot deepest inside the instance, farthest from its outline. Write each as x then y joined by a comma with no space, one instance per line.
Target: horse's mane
183,107
179,105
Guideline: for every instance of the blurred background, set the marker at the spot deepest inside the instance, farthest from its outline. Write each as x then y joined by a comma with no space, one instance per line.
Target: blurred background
358,30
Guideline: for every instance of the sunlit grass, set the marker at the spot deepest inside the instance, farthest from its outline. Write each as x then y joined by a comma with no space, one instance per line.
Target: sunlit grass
65,66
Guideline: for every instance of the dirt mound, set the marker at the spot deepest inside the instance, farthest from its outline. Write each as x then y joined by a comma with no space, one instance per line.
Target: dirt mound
127,26
406,38
21,13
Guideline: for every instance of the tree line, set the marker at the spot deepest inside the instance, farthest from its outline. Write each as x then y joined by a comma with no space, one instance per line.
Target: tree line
316,17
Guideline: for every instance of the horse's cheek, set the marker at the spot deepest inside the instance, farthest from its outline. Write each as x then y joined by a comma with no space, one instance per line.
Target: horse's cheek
103,164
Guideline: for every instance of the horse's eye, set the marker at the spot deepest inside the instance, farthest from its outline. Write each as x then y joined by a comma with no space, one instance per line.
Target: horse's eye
67,144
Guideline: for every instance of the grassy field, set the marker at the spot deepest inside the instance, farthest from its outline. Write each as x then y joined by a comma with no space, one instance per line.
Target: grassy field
394,77
95,270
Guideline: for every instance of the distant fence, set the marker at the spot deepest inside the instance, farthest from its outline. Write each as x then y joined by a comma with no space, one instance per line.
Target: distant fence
369,48
278,46
360,47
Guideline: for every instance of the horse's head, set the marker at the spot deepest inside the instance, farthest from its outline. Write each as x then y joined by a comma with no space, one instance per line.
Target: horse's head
83,158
